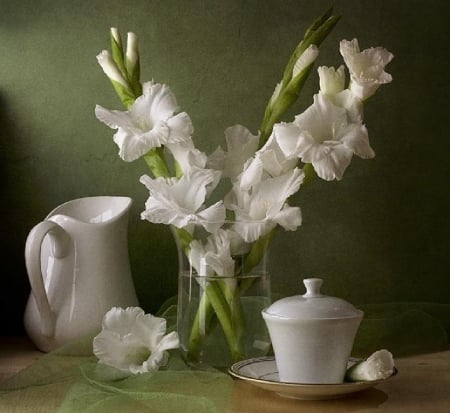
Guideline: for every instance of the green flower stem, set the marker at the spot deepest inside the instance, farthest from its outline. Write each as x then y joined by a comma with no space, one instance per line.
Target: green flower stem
156,162
218,300
200,328
223,312
254,257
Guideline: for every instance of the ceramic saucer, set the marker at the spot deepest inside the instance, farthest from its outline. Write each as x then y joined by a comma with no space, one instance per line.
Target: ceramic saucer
262,372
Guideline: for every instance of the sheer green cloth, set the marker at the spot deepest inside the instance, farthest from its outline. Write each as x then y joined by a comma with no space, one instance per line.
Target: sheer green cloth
64,381
403,328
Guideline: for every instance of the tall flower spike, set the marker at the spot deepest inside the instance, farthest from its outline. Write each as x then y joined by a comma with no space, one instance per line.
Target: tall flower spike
287,92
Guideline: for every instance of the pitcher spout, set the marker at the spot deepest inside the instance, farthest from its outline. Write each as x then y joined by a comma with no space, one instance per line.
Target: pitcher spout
94,210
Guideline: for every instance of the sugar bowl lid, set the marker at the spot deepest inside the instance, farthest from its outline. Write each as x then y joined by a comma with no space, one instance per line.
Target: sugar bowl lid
312,305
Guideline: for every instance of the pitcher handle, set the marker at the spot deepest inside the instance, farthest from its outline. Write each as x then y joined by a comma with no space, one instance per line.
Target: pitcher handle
60,248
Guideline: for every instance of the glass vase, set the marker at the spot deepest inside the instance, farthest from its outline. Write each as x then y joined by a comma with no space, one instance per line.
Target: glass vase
219,319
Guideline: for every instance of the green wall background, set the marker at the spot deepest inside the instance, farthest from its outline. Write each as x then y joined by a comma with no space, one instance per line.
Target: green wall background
380,235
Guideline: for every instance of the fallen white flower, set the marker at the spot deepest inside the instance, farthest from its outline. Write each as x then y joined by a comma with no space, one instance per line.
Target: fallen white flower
133,342
379,366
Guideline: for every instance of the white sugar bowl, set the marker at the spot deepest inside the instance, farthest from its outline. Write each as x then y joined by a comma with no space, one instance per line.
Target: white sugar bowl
312,335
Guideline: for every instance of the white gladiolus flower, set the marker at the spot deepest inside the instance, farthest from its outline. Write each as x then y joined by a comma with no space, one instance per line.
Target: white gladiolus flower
241,145
331,81
149,123
264,206
186,155
379,366
180,202
214,258
133,342
269,161
366,67
325,136
110,68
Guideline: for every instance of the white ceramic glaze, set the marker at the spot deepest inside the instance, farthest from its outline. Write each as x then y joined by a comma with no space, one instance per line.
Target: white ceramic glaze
312,335
78,267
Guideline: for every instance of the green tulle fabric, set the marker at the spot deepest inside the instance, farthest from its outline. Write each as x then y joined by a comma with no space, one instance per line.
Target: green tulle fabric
65,381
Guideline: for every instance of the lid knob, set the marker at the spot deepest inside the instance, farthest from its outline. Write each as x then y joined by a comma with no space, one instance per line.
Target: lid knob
312,287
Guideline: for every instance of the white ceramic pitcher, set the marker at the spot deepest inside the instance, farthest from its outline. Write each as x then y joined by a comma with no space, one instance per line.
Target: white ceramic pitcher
78,267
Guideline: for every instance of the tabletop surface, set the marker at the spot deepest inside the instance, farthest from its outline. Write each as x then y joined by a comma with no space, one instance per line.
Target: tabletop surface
421,385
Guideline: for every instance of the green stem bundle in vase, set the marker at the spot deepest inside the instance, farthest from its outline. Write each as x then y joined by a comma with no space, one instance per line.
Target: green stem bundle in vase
262,171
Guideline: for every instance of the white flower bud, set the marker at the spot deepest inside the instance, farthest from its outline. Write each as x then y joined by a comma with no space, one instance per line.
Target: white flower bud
305,59
115,34
132,50
332,81
111,70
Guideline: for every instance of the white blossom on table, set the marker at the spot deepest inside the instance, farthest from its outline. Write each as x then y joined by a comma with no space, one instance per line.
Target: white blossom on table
133,342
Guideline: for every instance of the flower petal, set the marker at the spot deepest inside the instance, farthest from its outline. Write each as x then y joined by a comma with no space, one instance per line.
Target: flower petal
115,118
251,231
290,218
331,80
334,164
357,139
212,217
366,67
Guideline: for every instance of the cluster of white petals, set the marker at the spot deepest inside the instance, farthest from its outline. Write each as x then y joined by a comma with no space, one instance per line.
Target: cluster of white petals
325,136
149,123
133,342
366,68
259,209
241,145
215,256
269,162
180,201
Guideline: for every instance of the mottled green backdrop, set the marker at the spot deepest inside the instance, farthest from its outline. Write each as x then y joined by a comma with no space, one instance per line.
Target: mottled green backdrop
380,235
